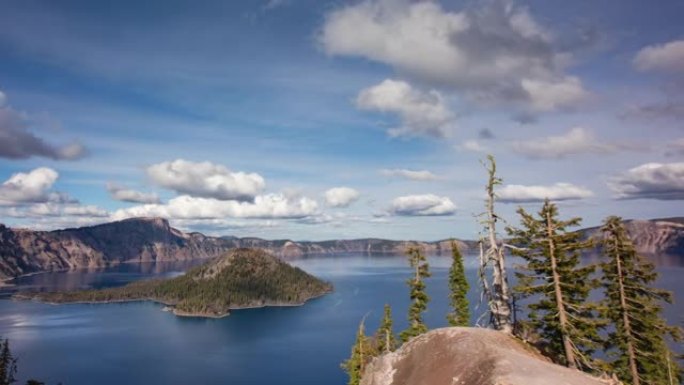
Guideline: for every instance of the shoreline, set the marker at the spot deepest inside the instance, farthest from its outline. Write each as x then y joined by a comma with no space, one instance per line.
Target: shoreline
5,282
168,306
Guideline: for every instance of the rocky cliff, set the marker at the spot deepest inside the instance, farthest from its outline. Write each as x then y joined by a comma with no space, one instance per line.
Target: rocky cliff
469,356
153,239
655,236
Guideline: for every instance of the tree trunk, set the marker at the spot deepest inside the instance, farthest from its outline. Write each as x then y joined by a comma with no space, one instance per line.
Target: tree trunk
625,319
500,306
562,316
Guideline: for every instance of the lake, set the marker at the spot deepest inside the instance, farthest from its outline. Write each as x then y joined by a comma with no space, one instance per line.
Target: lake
138,343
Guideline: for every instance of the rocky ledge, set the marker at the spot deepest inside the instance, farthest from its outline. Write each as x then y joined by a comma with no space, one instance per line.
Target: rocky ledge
469,356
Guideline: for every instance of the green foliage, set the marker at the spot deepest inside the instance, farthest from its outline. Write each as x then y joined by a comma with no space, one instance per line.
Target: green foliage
418,295
243,278
458,285
560,312
8,364
362,352
634,308
385,341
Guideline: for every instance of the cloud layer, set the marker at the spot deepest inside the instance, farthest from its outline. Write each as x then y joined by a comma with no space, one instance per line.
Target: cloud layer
557,192
206,180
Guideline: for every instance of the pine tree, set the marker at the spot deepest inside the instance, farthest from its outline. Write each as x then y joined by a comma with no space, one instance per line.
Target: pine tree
385,341
458,285
361,354
560,313
638,343
418,295
8,364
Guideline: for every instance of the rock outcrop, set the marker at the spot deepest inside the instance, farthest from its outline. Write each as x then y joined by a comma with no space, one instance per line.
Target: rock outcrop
469,356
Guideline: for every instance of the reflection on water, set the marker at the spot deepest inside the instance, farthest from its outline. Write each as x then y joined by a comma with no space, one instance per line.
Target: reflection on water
137,343
99,277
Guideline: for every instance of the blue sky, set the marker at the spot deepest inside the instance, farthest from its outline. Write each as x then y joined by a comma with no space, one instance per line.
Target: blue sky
317,120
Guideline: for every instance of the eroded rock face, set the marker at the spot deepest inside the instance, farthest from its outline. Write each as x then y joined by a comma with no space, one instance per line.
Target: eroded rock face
469,356
656,236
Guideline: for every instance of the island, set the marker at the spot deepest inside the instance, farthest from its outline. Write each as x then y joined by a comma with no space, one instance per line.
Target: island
241,278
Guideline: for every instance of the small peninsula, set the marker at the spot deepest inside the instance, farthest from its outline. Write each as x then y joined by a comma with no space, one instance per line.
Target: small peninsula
241,278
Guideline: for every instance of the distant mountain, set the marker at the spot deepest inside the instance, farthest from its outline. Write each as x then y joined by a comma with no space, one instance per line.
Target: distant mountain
238,279
153,239
655,236
25,251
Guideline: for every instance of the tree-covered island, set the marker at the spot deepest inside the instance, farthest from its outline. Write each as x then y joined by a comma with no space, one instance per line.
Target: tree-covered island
242,278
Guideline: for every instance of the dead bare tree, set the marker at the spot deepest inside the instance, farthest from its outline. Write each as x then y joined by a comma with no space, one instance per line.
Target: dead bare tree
493,277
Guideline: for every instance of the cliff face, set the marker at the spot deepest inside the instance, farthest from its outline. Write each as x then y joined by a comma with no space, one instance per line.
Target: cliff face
153,239
656,236
134,240
469,356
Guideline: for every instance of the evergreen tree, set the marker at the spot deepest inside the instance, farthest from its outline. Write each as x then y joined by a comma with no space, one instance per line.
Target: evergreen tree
385,341
493,276
458,285
558,287
418,295
637,344
8,364
361,354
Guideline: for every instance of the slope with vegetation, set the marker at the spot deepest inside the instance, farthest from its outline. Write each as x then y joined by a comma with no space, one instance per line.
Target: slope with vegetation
622,337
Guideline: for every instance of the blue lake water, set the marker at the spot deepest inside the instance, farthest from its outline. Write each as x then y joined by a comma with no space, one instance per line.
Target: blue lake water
138,343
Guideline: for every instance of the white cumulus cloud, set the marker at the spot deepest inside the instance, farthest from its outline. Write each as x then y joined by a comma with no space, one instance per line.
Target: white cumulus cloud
188,207
662,181
421,113
556,192
497,52
341,196
416,175
32,187
668,57
422,205
206,180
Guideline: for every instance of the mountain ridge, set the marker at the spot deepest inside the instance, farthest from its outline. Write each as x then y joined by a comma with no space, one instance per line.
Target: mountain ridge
25,251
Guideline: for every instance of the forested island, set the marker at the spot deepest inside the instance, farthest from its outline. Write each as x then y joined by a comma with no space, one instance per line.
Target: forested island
241,278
